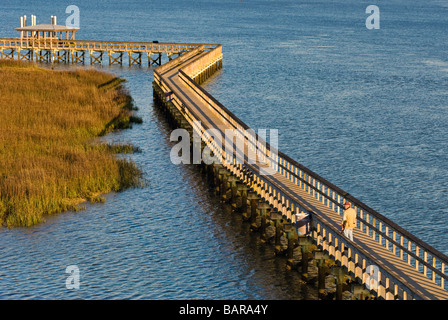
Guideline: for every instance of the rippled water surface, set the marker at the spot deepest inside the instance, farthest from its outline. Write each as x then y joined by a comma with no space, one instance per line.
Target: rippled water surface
365,109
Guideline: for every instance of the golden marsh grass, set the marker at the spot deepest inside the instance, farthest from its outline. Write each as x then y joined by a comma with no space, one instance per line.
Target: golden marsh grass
50,158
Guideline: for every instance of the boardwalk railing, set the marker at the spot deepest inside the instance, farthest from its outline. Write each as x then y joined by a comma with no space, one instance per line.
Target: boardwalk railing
87,45
413,251
176,62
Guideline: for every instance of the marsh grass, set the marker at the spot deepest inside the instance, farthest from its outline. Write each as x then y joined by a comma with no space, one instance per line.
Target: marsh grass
49,121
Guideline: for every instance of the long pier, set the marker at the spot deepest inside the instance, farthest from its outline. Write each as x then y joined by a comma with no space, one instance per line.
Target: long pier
93,52
387,260
392,262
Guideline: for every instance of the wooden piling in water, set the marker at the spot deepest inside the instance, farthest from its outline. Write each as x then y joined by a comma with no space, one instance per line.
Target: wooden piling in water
263,208
96,59
243,189
253,198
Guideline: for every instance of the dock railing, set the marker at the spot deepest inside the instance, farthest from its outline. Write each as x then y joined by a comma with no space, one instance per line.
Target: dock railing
79,45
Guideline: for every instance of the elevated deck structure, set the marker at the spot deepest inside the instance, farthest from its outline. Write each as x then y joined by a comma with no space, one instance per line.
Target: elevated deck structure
400,265
57,43
95,52
45,31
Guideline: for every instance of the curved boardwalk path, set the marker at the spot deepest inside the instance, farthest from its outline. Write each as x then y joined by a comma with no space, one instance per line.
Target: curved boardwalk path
393,263
401,260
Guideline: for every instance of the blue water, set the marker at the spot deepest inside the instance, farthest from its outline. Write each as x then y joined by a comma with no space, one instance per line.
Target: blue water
365,109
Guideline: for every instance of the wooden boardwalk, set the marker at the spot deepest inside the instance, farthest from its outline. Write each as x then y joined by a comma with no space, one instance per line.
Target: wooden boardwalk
404,269
385,257
78,51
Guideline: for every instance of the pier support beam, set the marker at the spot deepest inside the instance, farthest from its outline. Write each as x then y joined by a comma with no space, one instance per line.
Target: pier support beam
307,249
243,189
292,240
9,55
215,168
263,208
233,190
323,270
136,60
157,60
78,56
278,225
339,273
223,186
61,56
253,198
210,173
43,56
118,59
28,55
96,58
360,292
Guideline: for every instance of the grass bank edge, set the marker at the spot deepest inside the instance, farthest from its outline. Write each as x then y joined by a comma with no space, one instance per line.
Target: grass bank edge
28,192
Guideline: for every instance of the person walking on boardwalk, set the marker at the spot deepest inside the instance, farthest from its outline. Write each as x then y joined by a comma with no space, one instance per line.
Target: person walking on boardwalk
348,220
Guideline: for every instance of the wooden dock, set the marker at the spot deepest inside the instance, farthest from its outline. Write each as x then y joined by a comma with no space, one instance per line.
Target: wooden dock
57,43
390,261
93,52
